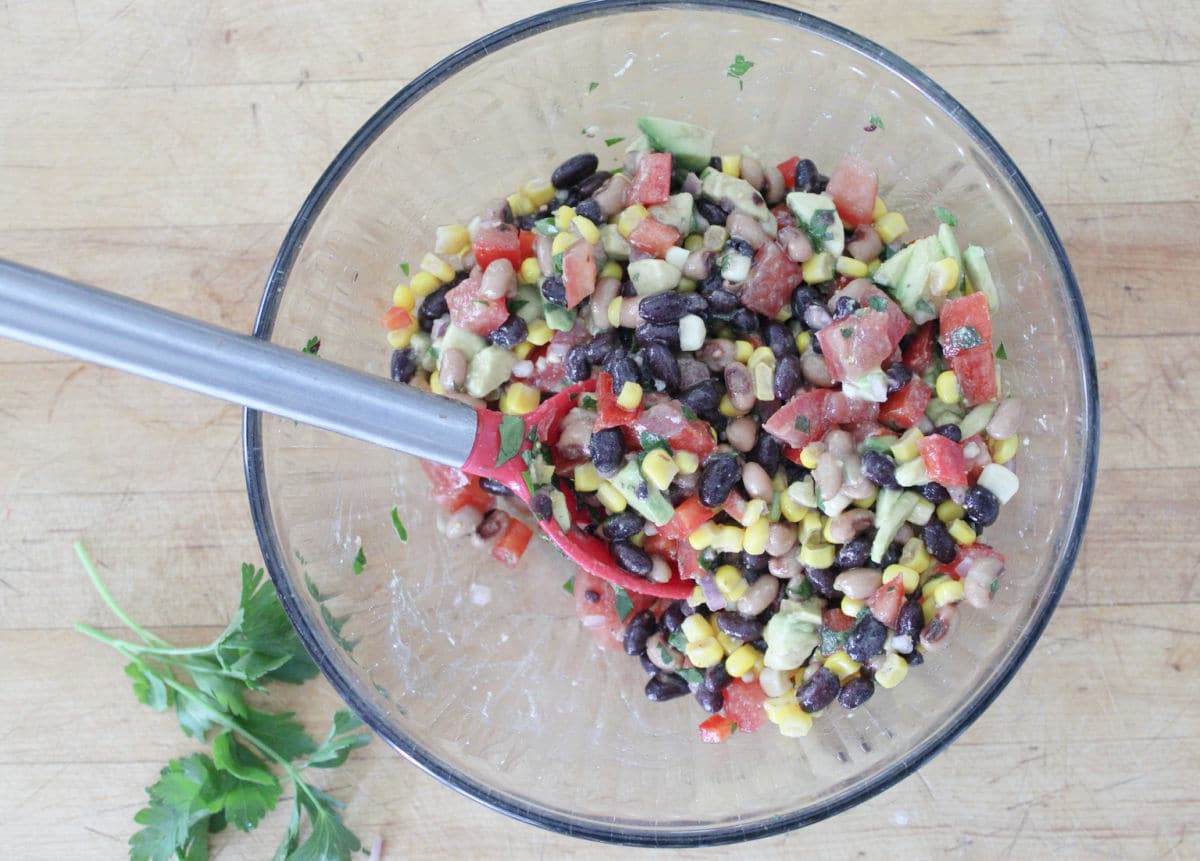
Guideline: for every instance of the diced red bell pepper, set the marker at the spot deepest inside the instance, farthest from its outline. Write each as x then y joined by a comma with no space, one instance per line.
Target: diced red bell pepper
976,372
918,355
944,461
904,409
396,318
687,561
690,514
652,182
801,420
716,729
958,317
887,600
512,543
579,272
853,185
526,243
788,169
837,621
696,437
773,278
493,241
653,237
660,545
744,704
609,414
454,489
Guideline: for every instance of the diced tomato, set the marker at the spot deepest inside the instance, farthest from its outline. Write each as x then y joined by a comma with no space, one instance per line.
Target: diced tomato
735,506
856,345
687,560
653,237
744,705
608,413
918,355
943,460
836,621
788,169
471,311
801,420
396,318
493,241
596,606
512,543
975,455
886,602
661,545
958,314
652,182
783,216
579,272
454,489
696,437
716,729
853,185
976,372
773,278
690,514
904,409
968,556
841,410
526,243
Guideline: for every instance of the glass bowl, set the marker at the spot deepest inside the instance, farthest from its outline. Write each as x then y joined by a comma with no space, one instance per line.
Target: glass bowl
482,676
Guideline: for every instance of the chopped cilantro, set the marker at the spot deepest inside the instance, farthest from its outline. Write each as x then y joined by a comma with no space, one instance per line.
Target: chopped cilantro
404,269
878,303
678,641
650,441
515,305
691,675
818,226
360,561
965,338
312,346
569,586
739,67
875,122
592,86
587,402
398,525
995,585
924,306
688,413
512,434
1000,352
776,505
664,654
946,216
847,332
623,604
832,640
802,424
545,226
612,141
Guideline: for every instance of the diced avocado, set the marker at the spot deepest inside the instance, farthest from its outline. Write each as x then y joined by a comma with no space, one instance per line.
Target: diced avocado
808,610
528,303
891,270
467,342
643,498
949,244
614,244
891,510
651,276
422,347
981,275
912,288
826,229
641,143
977,419
541,471
490,367
719,186
558,507
676,212
871,386
558,318
691,145
791,638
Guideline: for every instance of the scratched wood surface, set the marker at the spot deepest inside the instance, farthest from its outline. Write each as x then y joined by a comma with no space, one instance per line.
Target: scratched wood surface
161,148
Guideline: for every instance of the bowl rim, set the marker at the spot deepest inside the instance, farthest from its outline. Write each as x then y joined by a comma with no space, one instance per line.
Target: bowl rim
275,555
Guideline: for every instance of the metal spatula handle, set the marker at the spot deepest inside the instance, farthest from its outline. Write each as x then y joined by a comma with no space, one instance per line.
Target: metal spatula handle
122,333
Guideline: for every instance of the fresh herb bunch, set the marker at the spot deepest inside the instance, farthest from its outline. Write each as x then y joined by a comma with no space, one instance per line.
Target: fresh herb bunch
253,751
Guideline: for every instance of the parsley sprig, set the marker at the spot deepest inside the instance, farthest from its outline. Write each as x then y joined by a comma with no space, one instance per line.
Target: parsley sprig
253,751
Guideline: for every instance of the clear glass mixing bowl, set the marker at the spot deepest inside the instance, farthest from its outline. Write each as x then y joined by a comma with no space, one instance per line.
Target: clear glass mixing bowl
482,676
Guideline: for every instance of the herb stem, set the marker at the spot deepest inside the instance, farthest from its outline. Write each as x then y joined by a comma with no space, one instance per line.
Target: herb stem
94,576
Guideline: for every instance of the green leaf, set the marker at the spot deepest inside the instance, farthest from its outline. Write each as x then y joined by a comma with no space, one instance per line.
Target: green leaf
341,740
148,687
592,86
691,675
588,402
280,732
225,691
231,755
312,346
623,604
335,624
245,803
197,842
876,120
945,216
678,640
1001,353
612,141
569,586
878,303
291,837
512,435
739,67
404,269
165,831
360,561
330,839
193,719
398,525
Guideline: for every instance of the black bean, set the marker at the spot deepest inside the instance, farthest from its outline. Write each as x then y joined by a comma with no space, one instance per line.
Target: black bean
891,556
819,691
738,626
621,368
982,506
712,281
789,374
665,686
574,170
704,397
624,525
802,298
854,553
711,701
576,365
629,557
664,333
628,291
743,321
638,631
670,307
599,348
525,222
795,472
607,448
716,677
735,245
856,692
494,487
404,365
715,162
866,639
934,492
717,478
591,185
509,333
951,432
433,307
647,665
661,363
767,452
844,307
721,303
554,291
540,504
879,468
780,339
915,659
590,210
821,580
898,377
677,493
806,176
672,617
753,563
910,621
938,541
710,211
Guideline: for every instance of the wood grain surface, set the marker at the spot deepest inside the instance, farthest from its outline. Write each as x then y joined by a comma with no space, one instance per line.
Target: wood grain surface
161,148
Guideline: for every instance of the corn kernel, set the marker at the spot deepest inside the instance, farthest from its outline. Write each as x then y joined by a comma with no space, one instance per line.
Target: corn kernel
764,382
728,539
914,555
949,510
932,584
437,267
946,387
631,396
614,312
520,204
741,661
812,526
611,498
587,229
523,349
562,241
520,400
451,239
893,671
869,502
842,665
759,356
688,462
809,455
910,578
630,217
562,218
852,606
891,227
794,722
612,269
791,509
435,384
402,297
777,707
696,627
530,271
727,409
587,478
784,314
943,276
540,191
743,350
540,333
818,269
637,539
731,164
948,592
803,342
703,535
398,339
755,541
705,653
697,598
693,242
961,532
851,268
880,209
816,555
731,582
928,610
905,448
873,265
754,511
728,644
715,236
423,283
1003,450
659,468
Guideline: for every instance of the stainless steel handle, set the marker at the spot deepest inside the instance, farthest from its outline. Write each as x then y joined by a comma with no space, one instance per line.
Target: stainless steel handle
97,326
